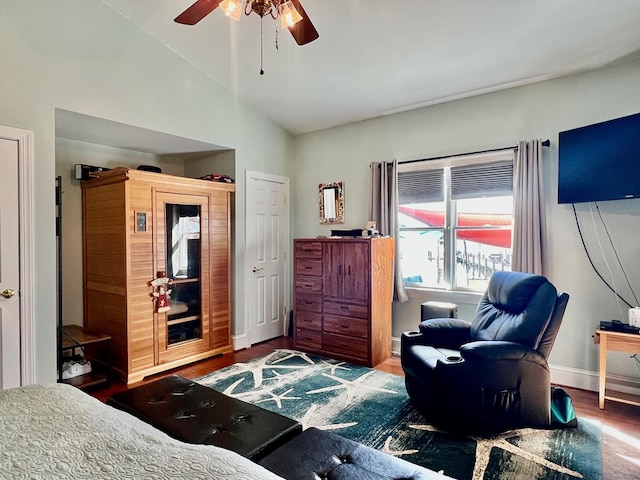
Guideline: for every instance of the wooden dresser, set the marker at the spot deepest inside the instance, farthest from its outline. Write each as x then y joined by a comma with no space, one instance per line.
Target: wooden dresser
343,297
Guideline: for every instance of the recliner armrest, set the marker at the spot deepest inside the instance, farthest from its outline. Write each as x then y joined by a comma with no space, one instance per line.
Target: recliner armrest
500,350
445,332
413,337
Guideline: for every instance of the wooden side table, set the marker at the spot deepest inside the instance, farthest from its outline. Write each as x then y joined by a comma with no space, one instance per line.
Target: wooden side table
616,342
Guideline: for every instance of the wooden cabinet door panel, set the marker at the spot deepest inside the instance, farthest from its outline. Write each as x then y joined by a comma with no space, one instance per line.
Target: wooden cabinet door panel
187,333
332,263
356,271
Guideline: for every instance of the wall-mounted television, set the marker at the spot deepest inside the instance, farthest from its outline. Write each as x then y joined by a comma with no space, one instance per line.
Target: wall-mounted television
600,162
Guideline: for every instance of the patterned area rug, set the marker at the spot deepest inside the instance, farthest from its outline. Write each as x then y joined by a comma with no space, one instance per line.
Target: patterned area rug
373,408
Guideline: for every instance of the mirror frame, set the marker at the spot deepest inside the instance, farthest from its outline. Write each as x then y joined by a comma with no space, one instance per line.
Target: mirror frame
338,198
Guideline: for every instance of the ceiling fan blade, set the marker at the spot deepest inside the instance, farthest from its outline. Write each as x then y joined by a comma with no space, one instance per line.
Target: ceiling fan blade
197,12
303,32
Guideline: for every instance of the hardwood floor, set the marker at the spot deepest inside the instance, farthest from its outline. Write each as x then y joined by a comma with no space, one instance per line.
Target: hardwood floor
620,423
203,367
616,415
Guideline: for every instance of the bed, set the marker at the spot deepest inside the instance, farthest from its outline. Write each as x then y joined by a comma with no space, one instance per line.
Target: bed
58,431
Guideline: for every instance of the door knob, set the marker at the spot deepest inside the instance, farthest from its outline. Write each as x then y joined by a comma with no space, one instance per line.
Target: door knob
256,269
8,293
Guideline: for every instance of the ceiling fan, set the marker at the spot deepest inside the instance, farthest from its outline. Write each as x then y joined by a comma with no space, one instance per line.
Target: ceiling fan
292,15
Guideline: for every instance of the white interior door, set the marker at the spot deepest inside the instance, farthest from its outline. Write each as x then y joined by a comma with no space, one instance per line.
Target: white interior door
267,234
10,360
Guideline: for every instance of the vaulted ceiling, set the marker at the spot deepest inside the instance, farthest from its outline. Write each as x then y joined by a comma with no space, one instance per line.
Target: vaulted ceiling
378,57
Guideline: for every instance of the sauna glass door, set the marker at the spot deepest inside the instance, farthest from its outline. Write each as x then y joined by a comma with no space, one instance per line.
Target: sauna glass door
183,248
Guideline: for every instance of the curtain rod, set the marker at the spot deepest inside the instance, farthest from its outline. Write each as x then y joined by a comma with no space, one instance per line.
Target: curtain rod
545,143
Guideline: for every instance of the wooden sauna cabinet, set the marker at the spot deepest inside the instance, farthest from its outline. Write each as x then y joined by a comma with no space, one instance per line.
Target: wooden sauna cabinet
343,297
136,224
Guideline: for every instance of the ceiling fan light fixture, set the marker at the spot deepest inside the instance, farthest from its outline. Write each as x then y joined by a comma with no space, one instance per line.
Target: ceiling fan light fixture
292,15
232,8
288,14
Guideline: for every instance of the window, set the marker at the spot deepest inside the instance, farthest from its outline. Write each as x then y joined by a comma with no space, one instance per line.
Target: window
455,217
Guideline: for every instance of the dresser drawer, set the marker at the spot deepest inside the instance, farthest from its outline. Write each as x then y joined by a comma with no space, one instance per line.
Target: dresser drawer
307,284
308,249
308,302
309,320
346,309
308,338
352,327
346,346
308,266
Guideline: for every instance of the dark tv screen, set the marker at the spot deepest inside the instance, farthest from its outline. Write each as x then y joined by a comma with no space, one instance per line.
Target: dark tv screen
600,161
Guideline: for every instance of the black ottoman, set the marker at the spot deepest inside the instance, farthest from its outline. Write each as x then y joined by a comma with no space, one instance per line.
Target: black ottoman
315,455
193,413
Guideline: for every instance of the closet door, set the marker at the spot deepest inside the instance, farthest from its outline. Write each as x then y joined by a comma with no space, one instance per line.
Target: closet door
182,254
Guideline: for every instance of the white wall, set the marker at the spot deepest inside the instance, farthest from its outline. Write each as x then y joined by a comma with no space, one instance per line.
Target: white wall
491,121
82,56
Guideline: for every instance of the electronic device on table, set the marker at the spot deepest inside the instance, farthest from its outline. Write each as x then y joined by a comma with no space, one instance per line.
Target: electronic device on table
618,326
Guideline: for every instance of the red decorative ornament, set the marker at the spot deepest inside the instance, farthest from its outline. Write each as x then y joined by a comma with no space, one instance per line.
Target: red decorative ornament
161,292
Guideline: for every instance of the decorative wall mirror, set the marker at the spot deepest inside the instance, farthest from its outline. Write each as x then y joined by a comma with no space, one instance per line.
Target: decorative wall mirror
331,201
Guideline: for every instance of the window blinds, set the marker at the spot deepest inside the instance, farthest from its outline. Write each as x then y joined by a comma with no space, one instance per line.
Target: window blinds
467,181
482,180
421,186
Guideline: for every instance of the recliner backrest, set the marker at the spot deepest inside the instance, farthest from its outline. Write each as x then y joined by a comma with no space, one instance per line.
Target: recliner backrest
549,336
516,307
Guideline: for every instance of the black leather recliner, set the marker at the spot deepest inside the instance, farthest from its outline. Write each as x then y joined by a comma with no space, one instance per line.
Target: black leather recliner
491,374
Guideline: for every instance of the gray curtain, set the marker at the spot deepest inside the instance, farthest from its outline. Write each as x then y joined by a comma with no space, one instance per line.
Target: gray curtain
529,226
383,209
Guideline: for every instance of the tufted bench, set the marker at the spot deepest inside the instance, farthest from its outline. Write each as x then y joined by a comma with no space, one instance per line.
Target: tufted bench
319,455
193,413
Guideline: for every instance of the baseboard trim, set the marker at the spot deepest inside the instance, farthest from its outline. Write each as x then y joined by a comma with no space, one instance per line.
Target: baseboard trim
573,377
587,380
240,342
395,346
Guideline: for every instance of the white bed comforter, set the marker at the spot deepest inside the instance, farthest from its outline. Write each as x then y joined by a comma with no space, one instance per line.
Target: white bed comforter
57,431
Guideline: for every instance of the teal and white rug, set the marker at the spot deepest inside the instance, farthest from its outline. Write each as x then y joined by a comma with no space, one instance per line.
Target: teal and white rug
373,408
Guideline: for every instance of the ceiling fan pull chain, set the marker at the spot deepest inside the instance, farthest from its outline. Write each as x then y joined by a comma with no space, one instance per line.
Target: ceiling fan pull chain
261,48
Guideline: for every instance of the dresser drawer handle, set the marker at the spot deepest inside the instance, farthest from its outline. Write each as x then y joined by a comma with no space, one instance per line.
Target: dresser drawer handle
344,307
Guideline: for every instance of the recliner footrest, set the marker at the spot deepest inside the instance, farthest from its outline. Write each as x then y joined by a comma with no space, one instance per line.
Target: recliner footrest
193,413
